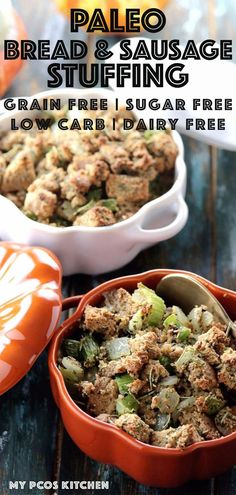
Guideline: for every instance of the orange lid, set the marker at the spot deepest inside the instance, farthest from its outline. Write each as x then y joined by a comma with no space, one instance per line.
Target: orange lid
30,307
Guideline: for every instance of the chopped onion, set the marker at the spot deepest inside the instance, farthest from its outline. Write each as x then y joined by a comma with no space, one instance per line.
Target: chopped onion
181,316
195,318
169,381
162,422
117,348
186,357
200,319
136,321
167,400
207,319
185,403
225,421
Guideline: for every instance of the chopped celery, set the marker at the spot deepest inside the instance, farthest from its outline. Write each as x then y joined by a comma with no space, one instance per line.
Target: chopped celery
136,321
71,370
32,216
180,315
167,400
85,208
72,348
225,420
186,357
169,381
148,134
127,404
118,347
110,203
69,376
59,221
171,321
66,211
183,404
214,404
89,350
94,194
165,361
207,320
123,381
184,334
147,297
186,403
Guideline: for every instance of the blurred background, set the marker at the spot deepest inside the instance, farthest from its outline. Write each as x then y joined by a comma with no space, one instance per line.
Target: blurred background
47,19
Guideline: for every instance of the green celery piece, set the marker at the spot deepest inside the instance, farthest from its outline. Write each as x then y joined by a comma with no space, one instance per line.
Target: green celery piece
207,320
184,334
186,357
165,361
180,315
148,135
66,211
89,350
214,404
110,203
69,376
171,321
123,381
137,320
71,369
147,297
127,404
94,194
60,222
32,216
72,348
83,209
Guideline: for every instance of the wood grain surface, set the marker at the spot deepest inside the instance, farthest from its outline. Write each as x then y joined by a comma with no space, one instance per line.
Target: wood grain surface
33,443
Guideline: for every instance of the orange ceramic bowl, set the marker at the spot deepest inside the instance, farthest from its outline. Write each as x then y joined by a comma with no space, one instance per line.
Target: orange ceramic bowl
105,443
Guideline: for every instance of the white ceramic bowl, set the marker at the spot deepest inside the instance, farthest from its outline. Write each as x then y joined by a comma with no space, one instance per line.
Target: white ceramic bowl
94,250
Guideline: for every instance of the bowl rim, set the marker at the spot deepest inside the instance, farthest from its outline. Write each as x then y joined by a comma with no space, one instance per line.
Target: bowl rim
73,407
180,169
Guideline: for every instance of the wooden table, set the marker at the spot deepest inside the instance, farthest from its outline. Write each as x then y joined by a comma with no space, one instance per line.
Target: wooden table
33,442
